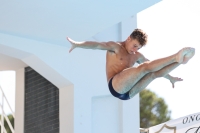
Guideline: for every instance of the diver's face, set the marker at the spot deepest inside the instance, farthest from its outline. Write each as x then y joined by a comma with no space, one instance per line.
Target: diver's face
132,45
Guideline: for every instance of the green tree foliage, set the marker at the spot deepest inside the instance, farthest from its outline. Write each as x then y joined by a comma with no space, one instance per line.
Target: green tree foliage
10,117
153,109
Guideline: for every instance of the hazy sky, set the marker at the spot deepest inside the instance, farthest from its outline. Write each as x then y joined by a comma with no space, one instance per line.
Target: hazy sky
7,82
170,25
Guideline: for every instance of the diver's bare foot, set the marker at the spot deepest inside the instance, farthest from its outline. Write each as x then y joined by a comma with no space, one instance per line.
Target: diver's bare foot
182,53
188,56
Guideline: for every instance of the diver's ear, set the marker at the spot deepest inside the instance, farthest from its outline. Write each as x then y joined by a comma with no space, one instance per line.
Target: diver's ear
129,38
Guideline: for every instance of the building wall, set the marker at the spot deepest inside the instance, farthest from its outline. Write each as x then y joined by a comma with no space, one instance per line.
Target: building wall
86,70
36,36
109,114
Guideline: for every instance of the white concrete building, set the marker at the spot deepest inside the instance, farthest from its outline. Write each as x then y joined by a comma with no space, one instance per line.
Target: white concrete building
33,37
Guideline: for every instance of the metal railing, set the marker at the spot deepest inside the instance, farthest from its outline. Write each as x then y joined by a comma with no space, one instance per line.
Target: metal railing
144,130
3,115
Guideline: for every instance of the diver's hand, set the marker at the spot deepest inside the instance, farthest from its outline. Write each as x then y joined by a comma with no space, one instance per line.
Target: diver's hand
175,79
73,43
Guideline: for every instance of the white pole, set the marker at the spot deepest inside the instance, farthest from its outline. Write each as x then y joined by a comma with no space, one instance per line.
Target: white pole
2,116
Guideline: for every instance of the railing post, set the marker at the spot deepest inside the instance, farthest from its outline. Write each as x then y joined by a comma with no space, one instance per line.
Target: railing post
2,116
3,130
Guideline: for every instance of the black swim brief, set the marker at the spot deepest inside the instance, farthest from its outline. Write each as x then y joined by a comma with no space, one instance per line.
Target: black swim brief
124,96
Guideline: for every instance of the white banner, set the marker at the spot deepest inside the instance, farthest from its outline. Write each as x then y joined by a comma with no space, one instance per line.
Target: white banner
187,124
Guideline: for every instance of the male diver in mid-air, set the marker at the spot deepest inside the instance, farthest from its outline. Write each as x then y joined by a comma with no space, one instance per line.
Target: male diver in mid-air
125,81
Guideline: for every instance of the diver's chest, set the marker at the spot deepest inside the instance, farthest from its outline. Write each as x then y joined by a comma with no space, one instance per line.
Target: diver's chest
128,60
